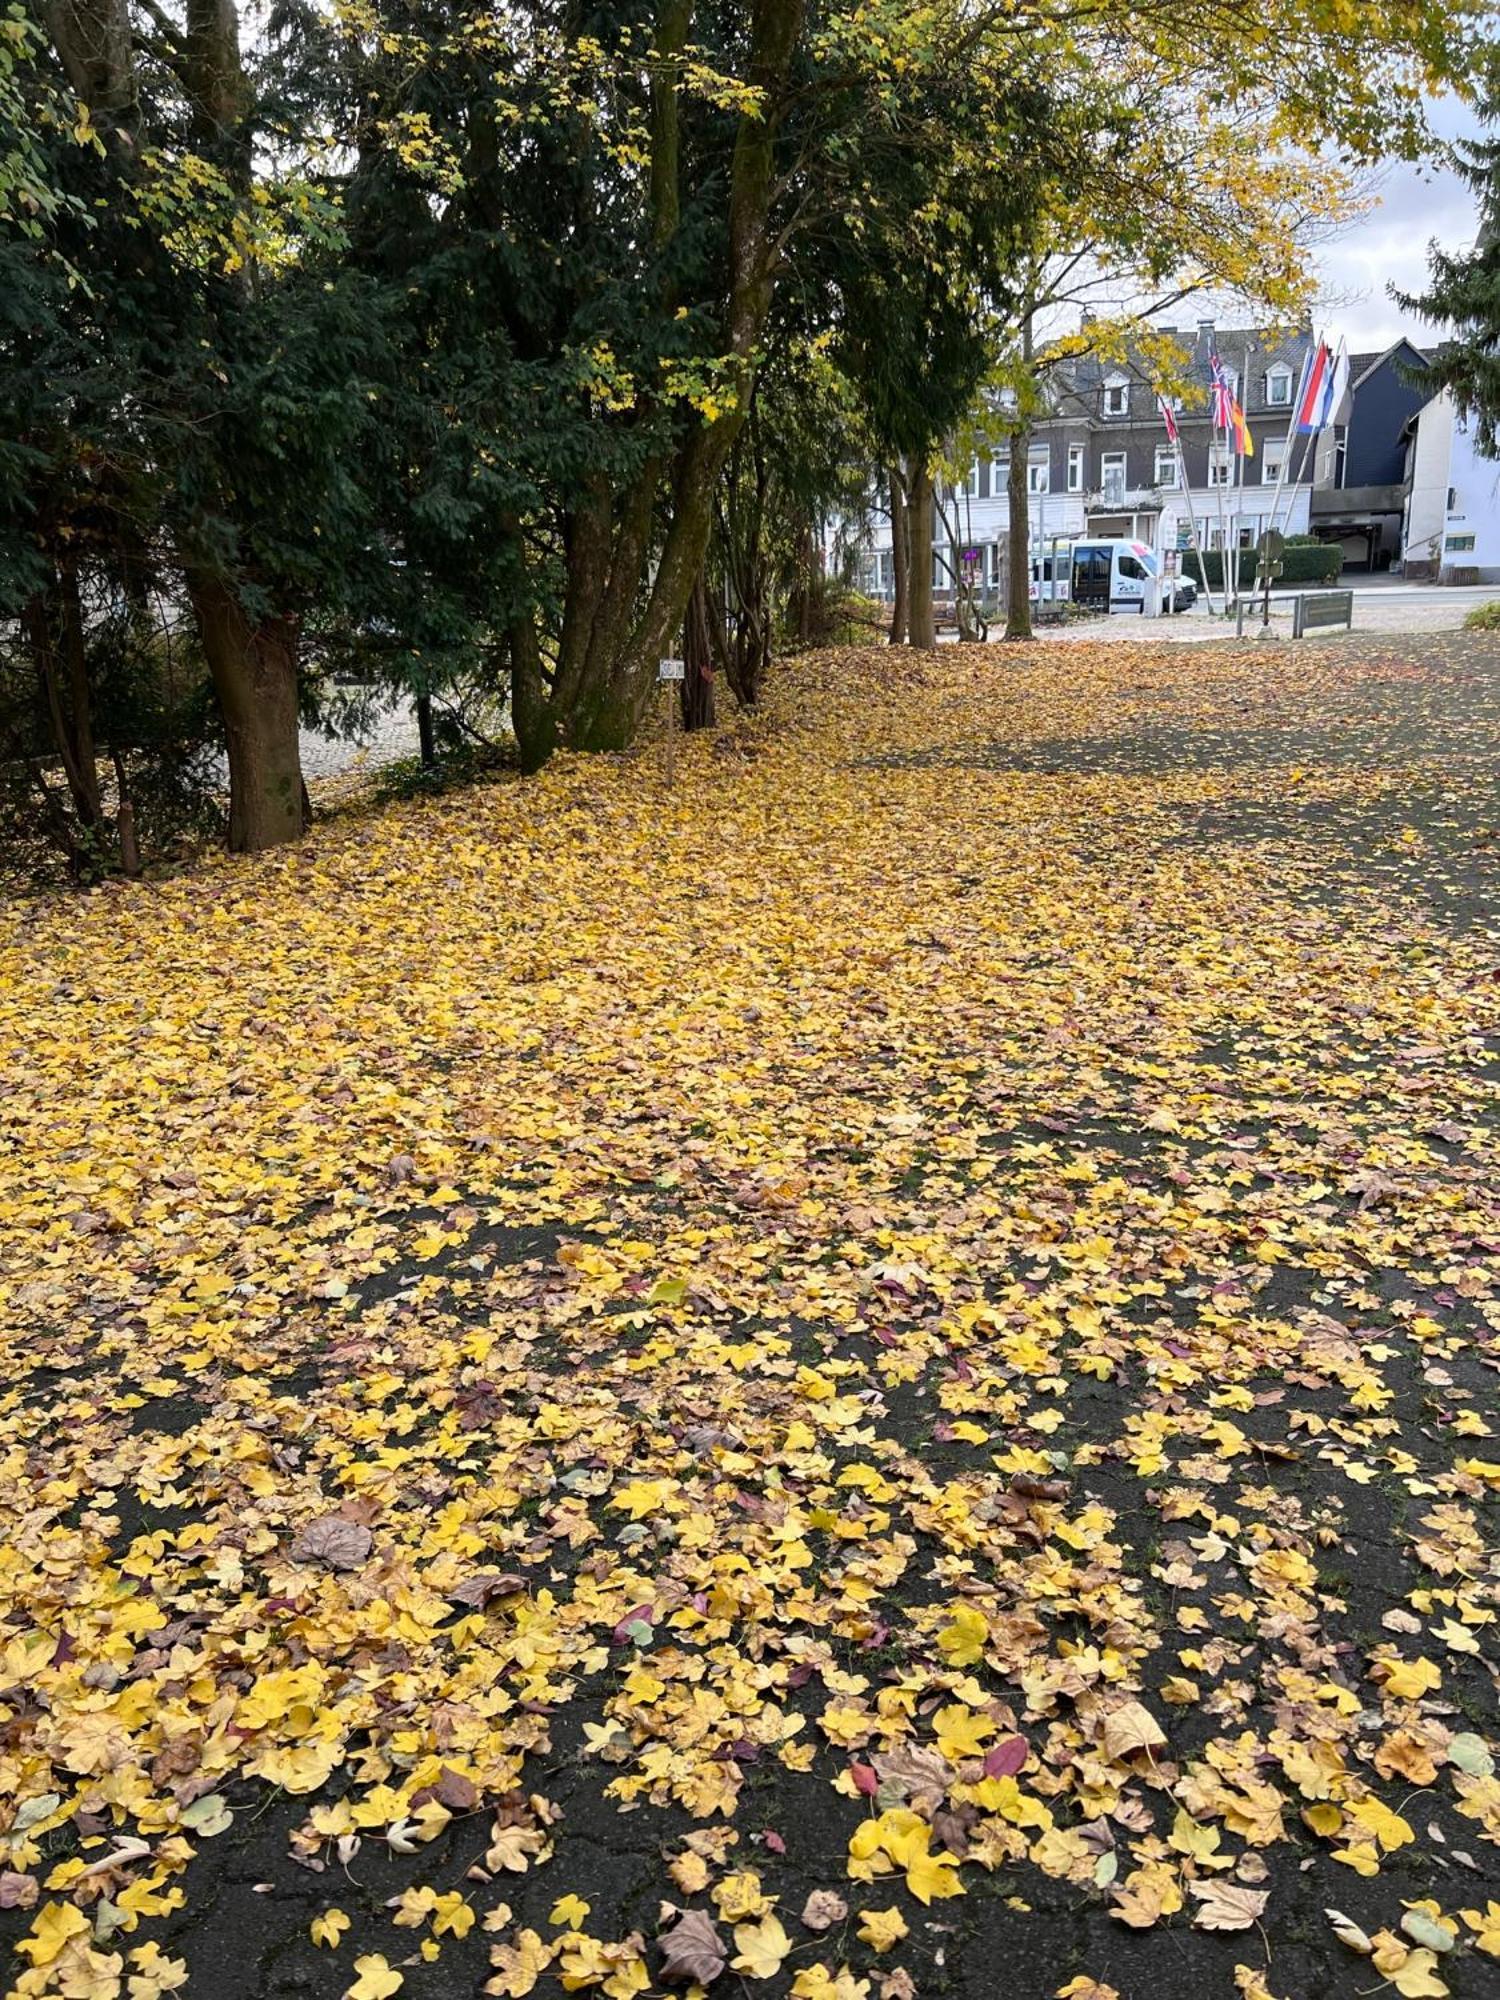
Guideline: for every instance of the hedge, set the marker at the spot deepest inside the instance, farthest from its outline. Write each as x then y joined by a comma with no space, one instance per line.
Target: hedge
1301,562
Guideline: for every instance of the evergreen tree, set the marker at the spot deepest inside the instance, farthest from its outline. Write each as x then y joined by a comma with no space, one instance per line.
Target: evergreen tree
1464,294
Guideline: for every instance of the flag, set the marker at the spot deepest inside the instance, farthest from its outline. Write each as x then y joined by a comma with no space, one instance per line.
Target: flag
1316,371
1168,419
1335,389
1244,444
1223,392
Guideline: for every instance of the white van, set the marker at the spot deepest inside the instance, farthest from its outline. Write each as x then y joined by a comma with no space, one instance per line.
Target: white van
1111,575
1052,576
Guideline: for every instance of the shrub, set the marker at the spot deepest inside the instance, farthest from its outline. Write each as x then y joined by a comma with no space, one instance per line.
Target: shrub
1303,560
1484,617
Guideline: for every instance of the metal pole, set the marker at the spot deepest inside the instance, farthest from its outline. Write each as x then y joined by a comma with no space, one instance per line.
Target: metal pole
1187,494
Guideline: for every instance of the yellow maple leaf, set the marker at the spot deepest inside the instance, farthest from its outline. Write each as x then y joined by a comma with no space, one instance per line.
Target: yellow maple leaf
932,1877
882,1930
740,1896
816,1982
1409,1680
1388,1828
329,1928
452,1916
518,1966
569,1911
1486,1924
762,1947
690,1872
55,1924
376,1978
153,1974
962,1641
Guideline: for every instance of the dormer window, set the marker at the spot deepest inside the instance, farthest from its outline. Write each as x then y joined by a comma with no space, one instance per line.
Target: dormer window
1279,388
1117,397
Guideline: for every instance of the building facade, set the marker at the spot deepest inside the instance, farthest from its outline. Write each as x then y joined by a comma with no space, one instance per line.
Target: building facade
1359,487
1451,525
1101,463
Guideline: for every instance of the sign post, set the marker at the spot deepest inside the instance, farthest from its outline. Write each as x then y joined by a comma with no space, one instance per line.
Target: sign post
669,675
1268,554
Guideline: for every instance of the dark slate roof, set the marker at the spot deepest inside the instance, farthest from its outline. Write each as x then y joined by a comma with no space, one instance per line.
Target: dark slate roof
1249,352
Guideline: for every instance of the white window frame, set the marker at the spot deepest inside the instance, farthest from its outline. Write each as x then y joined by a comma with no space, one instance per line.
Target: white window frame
1279,388
1077,467
1220,467
1271,459
971,484
1166,455
1039,470
1108,461
1117,397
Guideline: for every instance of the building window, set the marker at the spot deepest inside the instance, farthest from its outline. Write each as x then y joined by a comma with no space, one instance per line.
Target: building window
1117,399
1218,468
1039,471
1270,463
1166,465
1452,499
1458,544
1112,475
1279,388
1075,468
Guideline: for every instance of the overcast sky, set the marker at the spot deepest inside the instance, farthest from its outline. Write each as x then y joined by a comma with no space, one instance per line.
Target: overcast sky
1389,246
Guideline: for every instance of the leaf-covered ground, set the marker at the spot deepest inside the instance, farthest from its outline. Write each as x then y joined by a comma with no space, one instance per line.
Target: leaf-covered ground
870,1375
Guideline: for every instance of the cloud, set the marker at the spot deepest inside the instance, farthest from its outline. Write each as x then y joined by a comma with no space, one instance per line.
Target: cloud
1415,207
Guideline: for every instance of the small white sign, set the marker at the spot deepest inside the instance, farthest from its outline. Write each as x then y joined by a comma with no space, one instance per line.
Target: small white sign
671,670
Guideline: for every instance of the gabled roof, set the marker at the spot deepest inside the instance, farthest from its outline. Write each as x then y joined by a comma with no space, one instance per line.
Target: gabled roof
1362,366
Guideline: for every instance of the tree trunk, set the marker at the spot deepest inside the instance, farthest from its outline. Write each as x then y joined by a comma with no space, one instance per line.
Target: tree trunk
130,853
254,670
1018,542
921,621
602,708
426,747
698,661
54,614
900,558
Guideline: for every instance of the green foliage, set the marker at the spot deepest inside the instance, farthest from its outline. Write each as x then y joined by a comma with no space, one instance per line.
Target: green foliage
1464,295
151,718
1484,617
1304,560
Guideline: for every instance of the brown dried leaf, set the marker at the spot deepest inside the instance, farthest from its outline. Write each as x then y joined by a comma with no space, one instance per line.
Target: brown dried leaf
1225,1906
18,1892
919,1775
823,1909
338,1543
1130,1728
484,1586
692,1952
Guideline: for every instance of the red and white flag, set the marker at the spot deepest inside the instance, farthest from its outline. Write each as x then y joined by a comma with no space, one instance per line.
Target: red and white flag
1317,371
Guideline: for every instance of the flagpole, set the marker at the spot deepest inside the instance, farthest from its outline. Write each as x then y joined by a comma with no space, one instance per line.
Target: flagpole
1187,494
1239,525
1220,485
1281,472
1291,429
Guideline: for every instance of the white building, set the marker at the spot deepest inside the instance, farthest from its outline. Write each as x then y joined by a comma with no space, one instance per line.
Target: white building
1451,522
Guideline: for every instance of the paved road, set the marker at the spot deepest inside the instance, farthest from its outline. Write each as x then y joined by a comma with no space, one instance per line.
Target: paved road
1379,606
390,734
